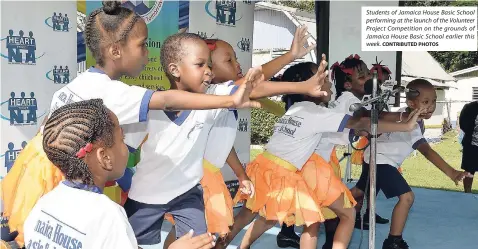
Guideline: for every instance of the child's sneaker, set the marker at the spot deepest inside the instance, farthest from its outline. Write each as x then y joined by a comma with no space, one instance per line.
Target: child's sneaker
394,243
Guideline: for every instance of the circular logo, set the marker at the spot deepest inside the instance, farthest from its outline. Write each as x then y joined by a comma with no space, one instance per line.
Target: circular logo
148,10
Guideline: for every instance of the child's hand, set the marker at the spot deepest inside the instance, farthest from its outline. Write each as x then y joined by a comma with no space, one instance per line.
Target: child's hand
241,96
458,176
297,48
414,117
315,83
203,241
246,186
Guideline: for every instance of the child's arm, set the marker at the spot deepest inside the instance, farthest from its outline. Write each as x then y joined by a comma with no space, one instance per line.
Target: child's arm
311,87
364,123
245,184
432,156
182,100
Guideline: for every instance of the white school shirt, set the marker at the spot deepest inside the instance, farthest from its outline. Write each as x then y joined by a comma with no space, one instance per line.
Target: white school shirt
394,147
297,133
67,217
171,158
221,139
329,140
129,103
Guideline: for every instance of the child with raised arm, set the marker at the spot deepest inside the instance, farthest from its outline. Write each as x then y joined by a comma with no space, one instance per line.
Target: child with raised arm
219,148
291,182
392,150
116,37
171,167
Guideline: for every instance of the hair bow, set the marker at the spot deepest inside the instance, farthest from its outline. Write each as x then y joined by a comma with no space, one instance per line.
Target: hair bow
211,44
82,152
356,56
380,69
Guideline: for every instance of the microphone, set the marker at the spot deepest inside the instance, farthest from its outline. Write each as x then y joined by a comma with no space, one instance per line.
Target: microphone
384,94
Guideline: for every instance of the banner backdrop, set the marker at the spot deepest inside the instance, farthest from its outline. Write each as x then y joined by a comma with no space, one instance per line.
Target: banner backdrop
162,20
38,57
233,22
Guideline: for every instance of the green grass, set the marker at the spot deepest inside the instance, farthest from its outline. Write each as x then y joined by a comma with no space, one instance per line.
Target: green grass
418,171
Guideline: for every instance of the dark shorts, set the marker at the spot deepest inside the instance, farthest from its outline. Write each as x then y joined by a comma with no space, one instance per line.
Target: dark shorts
389,180
468,160
147,219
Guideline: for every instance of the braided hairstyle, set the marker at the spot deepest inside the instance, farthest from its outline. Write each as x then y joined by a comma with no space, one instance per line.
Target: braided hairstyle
381,69
297,73
108,25
342,72
173,49
70,128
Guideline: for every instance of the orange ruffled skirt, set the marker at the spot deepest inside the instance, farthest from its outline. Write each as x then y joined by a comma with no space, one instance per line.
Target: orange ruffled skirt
217,201
31,176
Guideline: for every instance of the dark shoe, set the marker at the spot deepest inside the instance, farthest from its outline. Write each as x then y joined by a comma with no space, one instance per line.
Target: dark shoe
284,241
358,223
394,244
380,220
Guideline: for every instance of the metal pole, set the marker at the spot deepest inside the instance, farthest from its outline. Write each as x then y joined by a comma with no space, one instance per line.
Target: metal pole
348,172
373,163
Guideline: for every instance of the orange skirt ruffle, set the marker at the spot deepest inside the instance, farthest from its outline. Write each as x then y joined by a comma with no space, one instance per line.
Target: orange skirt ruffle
357,155
281,193
217,201
31,176
325,180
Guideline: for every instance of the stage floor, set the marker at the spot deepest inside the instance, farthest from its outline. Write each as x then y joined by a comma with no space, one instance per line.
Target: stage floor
438,220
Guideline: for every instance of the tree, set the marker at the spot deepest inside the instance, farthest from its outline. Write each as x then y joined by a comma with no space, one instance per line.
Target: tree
303,5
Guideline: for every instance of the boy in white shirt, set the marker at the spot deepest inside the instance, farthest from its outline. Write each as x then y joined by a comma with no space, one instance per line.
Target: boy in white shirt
392,149
85,141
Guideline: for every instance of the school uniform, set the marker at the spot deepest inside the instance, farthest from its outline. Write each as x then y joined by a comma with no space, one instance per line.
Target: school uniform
32,174
70,216
290,180
392,149
167,177
469,126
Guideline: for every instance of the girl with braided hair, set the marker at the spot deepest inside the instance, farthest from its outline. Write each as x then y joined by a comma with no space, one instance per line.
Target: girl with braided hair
117,38
292,182
85,141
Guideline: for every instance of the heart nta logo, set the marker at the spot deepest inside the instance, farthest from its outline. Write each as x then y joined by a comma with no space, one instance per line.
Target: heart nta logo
242,126
59,75
12,153
58,22
21,49
22,110
225,12
244,45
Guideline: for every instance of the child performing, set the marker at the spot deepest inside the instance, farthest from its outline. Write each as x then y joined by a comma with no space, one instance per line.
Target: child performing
392,149
117,38
292,183
84,139
226,68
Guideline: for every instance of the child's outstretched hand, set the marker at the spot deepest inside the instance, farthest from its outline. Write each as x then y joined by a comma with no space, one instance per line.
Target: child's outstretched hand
297,49
414,117
458,176
204,241
246,186
241,96
316,82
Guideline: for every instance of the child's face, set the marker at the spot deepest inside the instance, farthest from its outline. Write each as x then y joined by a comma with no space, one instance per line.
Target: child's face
426,99
224,63
193,70
360,75
134,53
118,152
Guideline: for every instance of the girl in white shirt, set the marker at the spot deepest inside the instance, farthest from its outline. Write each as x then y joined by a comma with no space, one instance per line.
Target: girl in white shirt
85,141
292,183
117,38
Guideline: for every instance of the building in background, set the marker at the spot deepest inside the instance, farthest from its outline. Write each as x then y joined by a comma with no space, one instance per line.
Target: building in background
466,90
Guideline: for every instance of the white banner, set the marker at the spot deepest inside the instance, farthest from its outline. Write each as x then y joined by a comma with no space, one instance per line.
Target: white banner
233,22
38,56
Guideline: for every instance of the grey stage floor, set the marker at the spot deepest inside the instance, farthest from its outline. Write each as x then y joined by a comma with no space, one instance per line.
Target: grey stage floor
438,220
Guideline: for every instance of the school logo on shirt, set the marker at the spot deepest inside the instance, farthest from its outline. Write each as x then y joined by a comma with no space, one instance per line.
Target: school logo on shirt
11,154
244,45
242,126
59,22
21,109
50,232
59,75
20,48
288,125
224,11
148,10
204,35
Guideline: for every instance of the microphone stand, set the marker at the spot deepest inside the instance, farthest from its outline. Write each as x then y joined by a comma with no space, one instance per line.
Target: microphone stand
373,163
